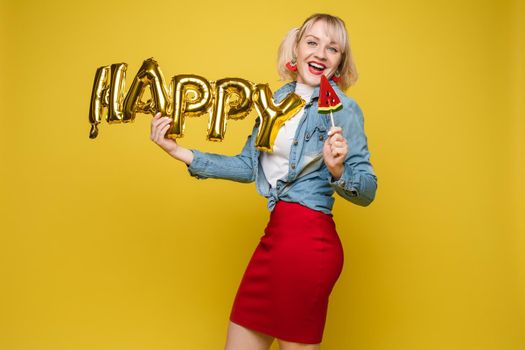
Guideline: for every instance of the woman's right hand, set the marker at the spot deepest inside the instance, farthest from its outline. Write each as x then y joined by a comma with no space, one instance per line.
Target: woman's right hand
159,126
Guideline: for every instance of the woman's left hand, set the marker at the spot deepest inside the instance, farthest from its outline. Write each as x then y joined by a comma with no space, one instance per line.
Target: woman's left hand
335,150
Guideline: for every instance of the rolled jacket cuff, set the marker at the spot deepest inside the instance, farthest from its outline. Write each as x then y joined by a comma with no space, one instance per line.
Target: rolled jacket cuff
346,182
197,167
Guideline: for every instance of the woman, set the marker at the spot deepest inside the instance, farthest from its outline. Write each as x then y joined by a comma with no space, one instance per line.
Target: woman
285,290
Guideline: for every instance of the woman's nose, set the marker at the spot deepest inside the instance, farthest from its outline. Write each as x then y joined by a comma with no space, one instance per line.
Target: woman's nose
320,53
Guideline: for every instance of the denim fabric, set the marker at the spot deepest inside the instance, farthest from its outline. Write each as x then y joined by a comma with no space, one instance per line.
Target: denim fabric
308,182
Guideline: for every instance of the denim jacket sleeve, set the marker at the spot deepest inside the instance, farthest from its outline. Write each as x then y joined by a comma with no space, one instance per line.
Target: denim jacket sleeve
239,168
358,183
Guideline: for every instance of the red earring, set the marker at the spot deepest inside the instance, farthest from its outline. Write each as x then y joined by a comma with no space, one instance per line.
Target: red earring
336,77
292,65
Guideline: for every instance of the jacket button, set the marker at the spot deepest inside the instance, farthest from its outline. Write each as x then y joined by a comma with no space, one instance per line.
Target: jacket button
293,166
295,142
321,137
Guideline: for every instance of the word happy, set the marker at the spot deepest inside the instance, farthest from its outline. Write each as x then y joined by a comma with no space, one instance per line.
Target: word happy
187,95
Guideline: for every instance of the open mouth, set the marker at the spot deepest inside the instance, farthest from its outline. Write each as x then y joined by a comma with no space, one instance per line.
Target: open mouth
316,68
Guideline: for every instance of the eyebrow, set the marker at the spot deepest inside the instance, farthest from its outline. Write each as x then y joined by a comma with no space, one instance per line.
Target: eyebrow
313,36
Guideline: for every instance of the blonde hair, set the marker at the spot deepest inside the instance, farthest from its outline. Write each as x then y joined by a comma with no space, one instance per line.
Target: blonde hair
337,30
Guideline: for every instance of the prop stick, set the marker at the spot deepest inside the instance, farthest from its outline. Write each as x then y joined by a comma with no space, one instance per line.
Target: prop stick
332,119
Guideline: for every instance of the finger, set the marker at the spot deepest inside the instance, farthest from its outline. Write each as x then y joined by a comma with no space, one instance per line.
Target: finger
162,123
157,116
326,148
155,125
157,121
339,150
337,138
334,130
338,153
161,131
335,152
337,144
340,145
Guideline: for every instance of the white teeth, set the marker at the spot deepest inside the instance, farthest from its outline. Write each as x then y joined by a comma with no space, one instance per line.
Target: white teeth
315,65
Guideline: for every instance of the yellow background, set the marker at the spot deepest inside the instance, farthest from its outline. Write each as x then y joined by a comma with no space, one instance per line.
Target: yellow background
110,244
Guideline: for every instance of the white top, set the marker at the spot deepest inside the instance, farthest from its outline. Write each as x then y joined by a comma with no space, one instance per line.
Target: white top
275,164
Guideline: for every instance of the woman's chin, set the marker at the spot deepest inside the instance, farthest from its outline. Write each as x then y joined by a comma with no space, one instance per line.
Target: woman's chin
310,80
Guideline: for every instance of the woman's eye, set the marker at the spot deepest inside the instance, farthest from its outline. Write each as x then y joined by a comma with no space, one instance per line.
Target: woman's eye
311,43
333,49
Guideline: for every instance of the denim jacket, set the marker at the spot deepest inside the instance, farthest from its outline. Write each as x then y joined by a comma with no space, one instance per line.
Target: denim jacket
308,181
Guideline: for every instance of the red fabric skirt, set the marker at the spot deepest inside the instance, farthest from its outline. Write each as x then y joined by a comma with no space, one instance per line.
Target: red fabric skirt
285,289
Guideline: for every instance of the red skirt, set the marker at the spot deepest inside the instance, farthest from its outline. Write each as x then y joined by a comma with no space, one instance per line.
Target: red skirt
285,289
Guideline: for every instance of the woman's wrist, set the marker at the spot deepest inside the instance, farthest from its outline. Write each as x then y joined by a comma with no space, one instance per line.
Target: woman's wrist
183,154
337,172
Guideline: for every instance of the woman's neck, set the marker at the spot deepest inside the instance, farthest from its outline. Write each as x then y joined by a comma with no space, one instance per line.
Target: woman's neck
303,90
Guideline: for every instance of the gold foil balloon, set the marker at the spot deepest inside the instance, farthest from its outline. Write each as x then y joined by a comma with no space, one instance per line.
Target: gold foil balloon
191,97
108,94
272,115
188,95
116,92
148,75
234,94
97,105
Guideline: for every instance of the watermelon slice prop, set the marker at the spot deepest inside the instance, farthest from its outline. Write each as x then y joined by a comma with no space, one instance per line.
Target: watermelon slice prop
328,100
